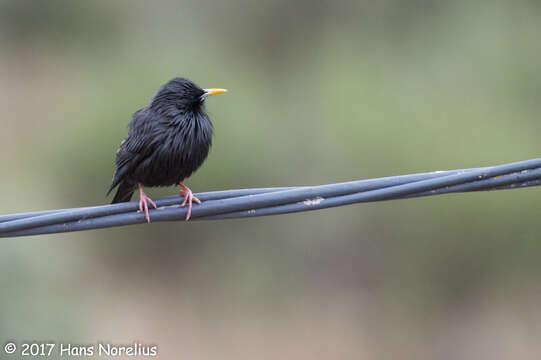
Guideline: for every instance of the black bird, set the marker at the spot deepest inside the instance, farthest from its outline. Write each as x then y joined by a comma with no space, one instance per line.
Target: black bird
167,141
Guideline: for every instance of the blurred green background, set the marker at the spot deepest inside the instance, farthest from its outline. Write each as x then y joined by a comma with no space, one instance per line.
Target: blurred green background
319,92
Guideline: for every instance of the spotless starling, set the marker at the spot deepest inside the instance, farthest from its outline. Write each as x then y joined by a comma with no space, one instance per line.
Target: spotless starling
167,141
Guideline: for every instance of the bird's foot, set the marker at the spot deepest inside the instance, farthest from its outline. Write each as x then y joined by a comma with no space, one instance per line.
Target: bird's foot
188,198
143,202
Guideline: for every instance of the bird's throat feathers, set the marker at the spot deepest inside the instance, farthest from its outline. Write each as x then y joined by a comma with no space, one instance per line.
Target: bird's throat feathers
180,106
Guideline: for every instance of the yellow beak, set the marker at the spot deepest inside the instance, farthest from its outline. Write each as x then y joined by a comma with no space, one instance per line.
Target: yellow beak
214,91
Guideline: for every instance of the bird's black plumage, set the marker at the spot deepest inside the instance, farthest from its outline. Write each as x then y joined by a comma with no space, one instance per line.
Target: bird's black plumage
167,140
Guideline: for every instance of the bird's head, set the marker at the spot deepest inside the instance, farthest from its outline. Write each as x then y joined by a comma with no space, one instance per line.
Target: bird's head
181,95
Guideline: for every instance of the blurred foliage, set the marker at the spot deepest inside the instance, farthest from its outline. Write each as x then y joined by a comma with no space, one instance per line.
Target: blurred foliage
58,23
318,92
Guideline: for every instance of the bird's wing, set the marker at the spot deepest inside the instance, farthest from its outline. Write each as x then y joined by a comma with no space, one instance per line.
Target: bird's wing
140,143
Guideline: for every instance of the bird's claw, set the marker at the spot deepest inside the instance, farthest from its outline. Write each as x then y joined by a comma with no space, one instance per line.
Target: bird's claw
143,203
188,198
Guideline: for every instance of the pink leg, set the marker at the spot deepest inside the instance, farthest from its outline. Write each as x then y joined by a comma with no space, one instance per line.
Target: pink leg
188,197
143,202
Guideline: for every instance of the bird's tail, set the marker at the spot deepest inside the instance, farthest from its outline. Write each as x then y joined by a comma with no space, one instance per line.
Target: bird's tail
124,193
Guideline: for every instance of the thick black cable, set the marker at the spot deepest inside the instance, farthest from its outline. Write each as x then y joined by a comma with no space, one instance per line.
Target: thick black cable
512,181
270,201
29,220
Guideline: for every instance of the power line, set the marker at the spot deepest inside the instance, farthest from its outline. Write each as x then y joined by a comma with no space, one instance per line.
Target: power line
230,204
